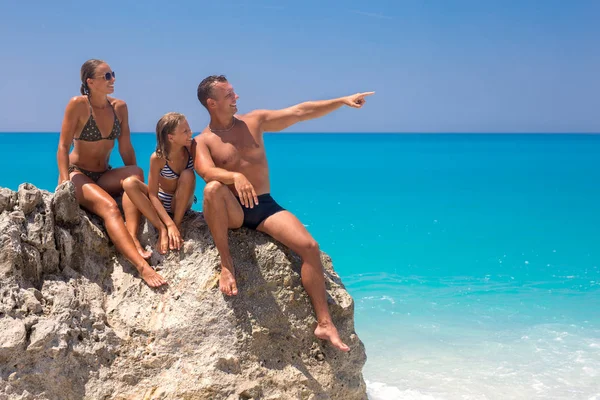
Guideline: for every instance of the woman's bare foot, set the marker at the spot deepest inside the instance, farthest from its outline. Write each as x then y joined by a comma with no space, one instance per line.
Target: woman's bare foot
328,331
162,244
151,277
143,252
227,281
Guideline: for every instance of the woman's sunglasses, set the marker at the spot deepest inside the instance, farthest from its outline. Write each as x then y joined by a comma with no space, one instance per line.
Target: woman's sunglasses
108,76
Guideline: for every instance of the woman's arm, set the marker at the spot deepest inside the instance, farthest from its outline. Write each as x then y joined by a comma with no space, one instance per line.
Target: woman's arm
67,132
125,147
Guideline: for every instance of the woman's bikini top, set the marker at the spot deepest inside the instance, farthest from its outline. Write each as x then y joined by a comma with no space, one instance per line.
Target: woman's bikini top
167,172
91,132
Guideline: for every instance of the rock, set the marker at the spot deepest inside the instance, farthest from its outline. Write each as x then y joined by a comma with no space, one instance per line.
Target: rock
229,364
50,261
36,293
65,206
18,217
32,264
77,322
32,304
42,333
8,199
12,338
10,246
29,197
65,246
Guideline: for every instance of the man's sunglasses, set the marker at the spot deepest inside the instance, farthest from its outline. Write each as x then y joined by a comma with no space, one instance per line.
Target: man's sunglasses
108,76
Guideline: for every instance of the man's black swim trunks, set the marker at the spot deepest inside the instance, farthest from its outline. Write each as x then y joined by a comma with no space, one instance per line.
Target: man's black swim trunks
266,207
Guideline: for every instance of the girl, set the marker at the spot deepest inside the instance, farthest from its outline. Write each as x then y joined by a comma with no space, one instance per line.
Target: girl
171,182
92,123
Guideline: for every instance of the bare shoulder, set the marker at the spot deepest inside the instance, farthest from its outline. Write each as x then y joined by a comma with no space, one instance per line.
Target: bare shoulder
253,117
253,121
204,137
78,103
77,109
118,104
79,100
155,159
120,108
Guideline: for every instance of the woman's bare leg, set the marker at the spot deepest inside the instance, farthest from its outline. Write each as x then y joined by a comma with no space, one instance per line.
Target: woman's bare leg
92,197
112,182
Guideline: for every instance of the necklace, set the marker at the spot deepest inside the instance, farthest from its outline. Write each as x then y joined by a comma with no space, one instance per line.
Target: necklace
222,130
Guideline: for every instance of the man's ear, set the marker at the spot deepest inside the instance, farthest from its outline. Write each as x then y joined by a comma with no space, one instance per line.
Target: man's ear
211,103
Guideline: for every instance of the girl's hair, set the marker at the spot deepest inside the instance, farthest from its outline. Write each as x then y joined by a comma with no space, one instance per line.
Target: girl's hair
88,70
165,126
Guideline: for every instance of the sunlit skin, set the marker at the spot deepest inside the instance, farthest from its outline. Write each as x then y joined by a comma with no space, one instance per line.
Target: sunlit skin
97,197
231,158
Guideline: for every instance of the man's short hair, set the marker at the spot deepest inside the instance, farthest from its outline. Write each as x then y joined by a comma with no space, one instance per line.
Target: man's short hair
205,87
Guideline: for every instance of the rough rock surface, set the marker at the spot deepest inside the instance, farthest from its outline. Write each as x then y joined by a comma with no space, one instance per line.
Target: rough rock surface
76,322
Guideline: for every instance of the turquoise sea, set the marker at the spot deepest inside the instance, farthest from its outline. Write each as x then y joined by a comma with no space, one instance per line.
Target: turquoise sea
474,260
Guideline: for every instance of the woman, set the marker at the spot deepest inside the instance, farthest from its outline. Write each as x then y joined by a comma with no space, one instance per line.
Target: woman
93,121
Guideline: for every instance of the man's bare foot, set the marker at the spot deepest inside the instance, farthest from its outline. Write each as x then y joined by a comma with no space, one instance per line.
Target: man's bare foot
328,331
162,244
151,277
143,252
227,281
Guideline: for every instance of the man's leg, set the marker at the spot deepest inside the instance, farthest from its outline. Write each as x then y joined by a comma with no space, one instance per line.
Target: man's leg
222,212
286,228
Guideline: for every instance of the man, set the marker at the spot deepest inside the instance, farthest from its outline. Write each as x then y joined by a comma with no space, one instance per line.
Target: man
230,157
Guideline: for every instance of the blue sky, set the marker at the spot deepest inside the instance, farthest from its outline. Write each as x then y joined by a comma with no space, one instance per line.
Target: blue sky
436,65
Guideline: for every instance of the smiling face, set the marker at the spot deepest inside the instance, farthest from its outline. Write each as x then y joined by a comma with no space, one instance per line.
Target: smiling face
182,135
98,83
223,99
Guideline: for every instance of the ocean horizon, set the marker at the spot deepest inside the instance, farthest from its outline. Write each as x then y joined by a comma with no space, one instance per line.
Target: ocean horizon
473,258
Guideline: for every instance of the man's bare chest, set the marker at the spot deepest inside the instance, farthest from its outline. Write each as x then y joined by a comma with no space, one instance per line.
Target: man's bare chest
234,154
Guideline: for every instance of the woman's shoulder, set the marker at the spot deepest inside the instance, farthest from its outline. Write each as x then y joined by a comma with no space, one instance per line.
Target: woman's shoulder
120,108
78,101
117,104
78,104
